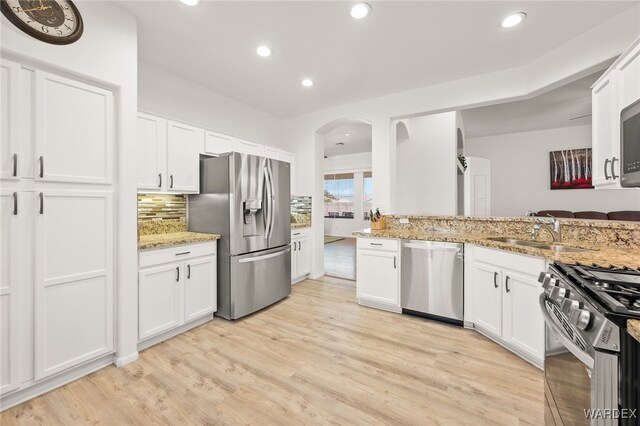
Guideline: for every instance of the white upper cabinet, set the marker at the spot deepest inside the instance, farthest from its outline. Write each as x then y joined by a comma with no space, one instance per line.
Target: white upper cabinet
216,143
289,157
274,153
184,142
74,131
152,140
9,130
74,278
251,148
629,78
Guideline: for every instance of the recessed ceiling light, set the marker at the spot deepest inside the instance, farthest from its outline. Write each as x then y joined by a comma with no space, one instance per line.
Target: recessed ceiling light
190,2
513,19
347,134
360,10
307,82
264,51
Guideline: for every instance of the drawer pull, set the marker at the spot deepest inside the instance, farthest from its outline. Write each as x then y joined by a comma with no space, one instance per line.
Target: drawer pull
183,253
375,244
297,233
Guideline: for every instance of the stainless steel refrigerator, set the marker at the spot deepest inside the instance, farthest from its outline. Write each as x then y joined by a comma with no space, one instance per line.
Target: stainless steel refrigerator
246,199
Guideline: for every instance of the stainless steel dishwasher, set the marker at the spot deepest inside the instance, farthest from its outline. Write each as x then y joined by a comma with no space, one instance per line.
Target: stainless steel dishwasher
432,280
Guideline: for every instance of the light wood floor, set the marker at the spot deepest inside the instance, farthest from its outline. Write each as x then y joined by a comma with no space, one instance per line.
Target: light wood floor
314,358
340,259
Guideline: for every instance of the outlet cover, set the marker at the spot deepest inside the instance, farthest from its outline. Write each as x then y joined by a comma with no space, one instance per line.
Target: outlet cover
404,220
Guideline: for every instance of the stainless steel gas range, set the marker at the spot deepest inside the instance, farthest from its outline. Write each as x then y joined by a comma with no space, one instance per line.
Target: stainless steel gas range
592,373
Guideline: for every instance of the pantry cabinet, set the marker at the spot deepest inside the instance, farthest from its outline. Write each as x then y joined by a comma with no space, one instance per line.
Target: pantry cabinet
378,273
9,113
501,299
176,286
300,253
615,90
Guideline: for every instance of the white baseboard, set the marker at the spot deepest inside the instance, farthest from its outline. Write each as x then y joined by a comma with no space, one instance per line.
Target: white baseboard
150,341
33,390
124,360
378,305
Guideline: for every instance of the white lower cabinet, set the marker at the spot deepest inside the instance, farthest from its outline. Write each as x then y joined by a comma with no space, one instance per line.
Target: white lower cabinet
501,299
378,273
300,253
176,285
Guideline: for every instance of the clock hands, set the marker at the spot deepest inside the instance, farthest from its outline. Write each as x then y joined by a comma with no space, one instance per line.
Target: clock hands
38,8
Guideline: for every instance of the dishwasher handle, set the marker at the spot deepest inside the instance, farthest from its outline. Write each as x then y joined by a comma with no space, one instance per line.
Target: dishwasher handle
430,248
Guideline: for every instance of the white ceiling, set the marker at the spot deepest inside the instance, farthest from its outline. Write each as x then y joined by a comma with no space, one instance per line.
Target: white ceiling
560,107
359,139
400,46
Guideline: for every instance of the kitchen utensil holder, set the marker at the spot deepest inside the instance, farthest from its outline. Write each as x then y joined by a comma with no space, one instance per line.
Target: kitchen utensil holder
379,224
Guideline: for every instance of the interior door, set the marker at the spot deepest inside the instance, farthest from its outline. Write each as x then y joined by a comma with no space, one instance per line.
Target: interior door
74,278
280,232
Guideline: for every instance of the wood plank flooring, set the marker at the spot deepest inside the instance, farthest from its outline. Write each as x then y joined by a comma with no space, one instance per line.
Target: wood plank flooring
340,259
314,358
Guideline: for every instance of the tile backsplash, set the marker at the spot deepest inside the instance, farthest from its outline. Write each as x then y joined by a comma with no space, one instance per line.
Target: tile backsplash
162,206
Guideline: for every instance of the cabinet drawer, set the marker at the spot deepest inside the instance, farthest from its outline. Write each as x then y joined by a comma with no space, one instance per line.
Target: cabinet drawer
514,261
387,244
300,232
176,254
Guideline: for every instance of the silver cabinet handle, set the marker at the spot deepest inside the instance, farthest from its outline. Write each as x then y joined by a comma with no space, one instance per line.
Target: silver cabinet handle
41,159
395,266
613,166
41,196
170,181
495,280
15,165
183,253
160,180
15,204
177,273
506,284
188,272
606,176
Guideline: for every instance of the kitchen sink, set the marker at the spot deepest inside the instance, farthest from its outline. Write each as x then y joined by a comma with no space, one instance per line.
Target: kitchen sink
540,245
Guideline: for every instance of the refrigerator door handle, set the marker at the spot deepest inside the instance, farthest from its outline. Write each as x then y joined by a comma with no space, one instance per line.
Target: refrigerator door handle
265,256
271,202
267,176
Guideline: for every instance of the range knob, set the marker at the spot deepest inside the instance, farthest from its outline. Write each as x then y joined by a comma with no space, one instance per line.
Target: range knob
549,284
581,318
558,294
543,276
569,305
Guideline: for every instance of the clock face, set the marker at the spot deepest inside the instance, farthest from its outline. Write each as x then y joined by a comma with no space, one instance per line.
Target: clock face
52,21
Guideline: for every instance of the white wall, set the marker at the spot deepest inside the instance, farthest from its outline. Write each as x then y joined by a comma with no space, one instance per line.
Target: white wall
426,180
520,173
163,93
579,57
106,53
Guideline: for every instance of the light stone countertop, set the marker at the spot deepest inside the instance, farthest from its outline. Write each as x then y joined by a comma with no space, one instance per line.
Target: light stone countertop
633,327
152,241
300,225
601,255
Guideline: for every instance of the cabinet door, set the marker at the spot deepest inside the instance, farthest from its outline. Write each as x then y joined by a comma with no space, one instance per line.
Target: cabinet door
200,289
152,145
377,277
294,259
251,148
183,145
522,324
487,297
604,135
629,79
304,256
9,290
160,299
74,131
9,108
274,153
217,144
74,278
290,158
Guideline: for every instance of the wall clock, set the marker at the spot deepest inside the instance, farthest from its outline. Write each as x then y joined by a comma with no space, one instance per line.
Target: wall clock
51,21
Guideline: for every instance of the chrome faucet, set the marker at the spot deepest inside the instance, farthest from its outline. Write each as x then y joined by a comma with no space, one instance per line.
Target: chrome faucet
552,225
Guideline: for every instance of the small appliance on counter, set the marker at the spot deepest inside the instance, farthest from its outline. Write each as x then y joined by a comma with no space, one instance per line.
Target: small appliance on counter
592,364
246,199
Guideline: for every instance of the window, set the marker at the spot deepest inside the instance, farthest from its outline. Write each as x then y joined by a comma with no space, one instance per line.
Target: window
367,200
338,196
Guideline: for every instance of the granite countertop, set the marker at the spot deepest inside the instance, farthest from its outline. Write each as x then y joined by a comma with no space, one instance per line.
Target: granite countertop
152,241
633,327
300,225
602,255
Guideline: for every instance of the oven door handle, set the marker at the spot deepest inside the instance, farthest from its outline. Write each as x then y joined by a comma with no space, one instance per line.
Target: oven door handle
585,358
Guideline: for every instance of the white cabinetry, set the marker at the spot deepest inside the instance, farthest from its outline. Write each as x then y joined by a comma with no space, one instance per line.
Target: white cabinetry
378,273
289,157
251,148
216,143
616,89
168,155
176,286
57,227
501,299
300,253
